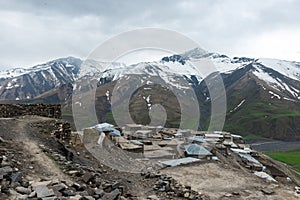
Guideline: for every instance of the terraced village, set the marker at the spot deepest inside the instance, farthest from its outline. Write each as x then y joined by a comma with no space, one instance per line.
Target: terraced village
42,158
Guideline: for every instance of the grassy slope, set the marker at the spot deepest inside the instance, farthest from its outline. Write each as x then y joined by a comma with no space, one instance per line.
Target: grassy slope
291,158
272,120
258,117
260,114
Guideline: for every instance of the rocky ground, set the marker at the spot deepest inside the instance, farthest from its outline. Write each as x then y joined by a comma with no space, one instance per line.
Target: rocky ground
34,164
37,162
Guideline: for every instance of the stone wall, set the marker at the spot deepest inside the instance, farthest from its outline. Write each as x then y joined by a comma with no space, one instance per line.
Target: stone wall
44,110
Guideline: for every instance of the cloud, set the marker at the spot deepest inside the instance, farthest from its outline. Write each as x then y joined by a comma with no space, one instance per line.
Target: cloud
35,31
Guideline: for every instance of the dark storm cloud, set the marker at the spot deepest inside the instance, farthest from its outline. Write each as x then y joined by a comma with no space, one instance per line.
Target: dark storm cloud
35,31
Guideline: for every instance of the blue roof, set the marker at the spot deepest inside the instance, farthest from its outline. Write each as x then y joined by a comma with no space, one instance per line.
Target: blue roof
195,149
136,142
104,127
180,161
115,132
107,128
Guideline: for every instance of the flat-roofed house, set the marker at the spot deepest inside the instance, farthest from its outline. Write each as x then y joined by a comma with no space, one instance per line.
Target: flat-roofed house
197,151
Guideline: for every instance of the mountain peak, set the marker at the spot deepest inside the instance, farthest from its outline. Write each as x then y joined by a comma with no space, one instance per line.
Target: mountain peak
195,53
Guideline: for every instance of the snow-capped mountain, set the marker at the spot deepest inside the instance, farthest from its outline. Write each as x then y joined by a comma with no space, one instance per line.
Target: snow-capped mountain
283,76
263,95
17,84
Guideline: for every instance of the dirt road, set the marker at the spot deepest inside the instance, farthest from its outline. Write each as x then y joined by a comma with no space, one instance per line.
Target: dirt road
34,161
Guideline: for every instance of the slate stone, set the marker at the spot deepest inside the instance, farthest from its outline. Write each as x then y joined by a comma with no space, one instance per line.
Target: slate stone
23,197
50,198
88,198
43,191
115,185
99,192
16,177
5,170
32,194
153,197
87,177
23,190
112,195
25,184
68,192
267,191
59,187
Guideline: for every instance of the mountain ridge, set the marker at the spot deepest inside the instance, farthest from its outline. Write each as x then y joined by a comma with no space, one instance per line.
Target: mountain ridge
261,99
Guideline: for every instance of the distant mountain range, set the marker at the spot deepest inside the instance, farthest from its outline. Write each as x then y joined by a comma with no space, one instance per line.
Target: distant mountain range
263,95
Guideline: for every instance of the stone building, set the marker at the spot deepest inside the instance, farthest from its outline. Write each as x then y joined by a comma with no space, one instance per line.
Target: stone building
44,110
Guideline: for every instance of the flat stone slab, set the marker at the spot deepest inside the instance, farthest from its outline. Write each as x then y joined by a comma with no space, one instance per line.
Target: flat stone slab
5,170
43,191
59,187
23,190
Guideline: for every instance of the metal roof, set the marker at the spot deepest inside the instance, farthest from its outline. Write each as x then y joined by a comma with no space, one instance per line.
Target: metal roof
249,158
115,132
180,161
103,127
213,135
136,142
196,139
107,127
194,149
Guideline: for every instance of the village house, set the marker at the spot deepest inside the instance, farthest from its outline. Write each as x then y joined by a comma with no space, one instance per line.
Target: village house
133,146
197,151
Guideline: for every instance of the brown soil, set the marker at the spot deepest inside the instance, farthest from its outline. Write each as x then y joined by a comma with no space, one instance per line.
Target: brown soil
24,138
218,180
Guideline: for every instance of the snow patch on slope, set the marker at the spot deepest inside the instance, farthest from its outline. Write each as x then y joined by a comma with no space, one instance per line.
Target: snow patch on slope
287,68
274,95
275,83
239,105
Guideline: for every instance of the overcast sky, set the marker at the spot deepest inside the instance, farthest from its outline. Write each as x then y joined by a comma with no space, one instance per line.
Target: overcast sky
33,32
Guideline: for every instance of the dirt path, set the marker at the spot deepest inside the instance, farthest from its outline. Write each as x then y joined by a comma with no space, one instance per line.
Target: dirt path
38,163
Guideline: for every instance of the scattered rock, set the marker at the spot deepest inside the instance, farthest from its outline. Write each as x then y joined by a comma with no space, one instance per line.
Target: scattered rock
77,197
73,172
112,195
16,177
99,192
59,187
87,177
49,198
32,194
5,170
88,198
43,191
23,197
186,195
267,191
2,140
115,185
68,192
23,190
153,197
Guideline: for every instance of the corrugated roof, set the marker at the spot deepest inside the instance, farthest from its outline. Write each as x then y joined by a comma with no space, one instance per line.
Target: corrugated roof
194,149
249,158
213,135
195,139
107,127
136,142
180,161
103,127
115,132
